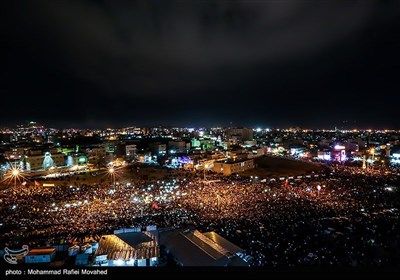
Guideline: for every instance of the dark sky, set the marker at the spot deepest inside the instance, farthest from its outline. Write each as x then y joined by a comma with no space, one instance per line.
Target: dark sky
201,63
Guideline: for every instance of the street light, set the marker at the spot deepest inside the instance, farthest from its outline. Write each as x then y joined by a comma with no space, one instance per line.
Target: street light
14,174
111,171
372,154
318,188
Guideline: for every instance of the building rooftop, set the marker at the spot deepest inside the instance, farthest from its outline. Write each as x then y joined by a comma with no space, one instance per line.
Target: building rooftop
41,251
130,245
231,161
134,239
192,248
229,246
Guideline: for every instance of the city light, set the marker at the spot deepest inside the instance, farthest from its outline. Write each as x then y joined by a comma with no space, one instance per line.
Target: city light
256,134
149,190
13,174
112,172
339,147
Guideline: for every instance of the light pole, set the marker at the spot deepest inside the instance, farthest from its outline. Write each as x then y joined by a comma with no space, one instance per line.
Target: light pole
111,171
318,188
372,152
15,174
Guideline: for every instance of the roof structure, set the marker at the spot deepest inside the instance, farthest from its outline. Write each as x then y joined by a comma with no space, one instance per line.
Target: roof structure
193,248
134,239
130,245
41,251
229,246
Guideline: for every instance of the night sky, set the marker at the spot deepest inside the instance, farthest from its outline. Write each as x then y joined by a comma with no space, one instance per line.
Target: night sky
115,63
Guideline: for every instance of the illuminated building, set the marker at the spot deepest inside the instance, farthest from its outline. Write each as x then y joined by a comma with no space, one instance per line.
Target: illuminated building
228,167
255,152
38,161
324,155
339,153
195,143
96,155
395,158
130,151
144,157
296,151
16,153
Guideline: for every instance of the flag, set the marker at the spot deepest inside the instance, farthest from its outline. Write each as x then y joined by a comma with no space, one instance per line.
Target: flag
155,205
286,183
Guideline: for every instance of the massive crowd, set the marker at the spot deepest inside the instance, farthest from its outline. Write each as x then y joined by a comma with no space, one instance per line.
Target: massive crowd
345,216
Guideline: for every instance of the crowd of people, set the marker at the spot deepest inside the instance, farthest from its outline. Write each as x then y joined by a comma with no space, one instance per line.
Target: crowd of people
345,216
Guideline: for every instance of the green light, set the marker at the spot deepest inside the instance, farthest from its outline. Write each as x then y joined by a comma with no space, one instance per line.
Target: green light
82,160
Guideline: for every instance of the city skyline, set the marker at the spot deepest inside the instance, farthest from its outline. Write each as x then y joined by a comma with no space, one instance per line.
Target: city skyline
346,127
261,198
98,64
